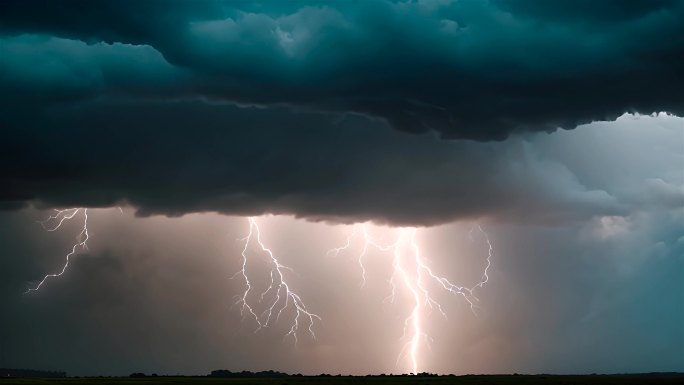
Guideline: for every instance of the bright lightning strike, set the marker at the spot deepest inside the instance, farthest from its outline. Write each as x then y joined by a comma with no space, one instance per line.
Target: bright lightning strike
412,271
53,223
279,296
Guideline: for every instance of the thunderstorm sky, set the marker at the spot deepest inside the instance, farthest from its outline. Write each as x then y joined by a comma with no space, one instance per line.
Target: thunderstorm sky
555,126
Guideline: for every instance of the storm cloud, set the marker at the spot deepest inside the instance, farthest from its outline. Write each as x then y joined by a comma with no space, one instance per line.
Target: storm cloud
304,108
470,69
554,125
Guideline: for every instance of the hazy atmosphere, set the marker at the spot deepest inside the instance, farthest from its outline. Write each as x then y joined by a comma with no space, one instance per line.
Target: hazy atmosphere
474,186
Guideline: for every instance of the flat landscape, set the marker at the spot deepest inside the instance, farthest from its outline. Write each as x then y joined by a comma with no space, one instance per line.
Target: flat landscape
660,378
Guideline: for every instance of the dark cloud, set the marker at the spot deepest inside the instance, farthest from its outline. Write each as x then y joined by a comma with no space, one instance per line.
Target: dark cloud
585,10
246,108
346,169
102,21
301,167
470,69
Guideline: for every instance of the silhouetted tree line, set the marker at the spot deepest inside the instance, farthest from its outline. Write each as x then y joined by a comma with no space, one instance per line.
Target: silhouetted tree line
272,374
245,373
137,375
30,373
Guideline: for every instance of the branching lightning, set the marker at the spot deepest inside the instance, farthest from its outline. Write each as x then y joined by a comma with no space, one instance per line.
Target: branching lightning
53,223
411,270
279,296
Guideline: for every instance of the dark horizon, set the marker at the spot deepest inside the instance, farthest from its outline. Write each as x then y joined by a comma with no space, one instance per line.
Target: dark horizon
226,373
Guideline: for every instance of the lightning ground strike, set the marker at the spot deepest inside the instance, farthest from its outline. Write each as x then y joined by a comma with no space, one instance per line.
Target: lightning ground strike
410,270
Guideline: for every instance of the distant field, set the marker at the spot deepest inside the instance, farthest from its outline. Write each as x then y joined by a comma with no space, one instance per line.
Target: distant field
655,379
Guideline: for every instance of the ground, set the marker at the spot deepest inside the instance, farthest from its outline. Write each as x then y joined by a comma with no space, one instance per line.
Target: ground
655,379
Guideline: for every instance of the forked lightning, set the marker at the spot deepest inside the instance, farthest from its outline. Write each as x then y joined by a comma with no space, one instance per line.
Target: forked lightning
411,270
54,222
278,295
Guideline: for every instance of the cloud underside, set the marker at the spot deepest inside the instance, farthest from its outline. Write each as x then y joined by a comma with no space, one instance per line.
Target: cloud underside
307,108
348,169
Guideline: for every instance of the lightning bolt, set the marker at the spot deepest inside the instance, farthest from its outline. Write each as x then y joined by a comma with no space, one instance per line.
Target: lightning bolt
490,251
412,271
279,295
53,223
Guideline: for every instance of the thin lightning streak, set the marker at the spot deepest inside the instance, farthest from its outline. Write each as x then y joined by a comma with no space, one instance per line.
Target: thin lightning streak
336,251
82,238
53,223
420,267
248,284
279,290
60,214
490,251
368,241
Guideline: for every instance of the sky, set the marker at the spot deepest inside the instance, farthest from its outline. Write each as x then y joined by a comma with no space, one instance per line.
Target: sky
550,131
